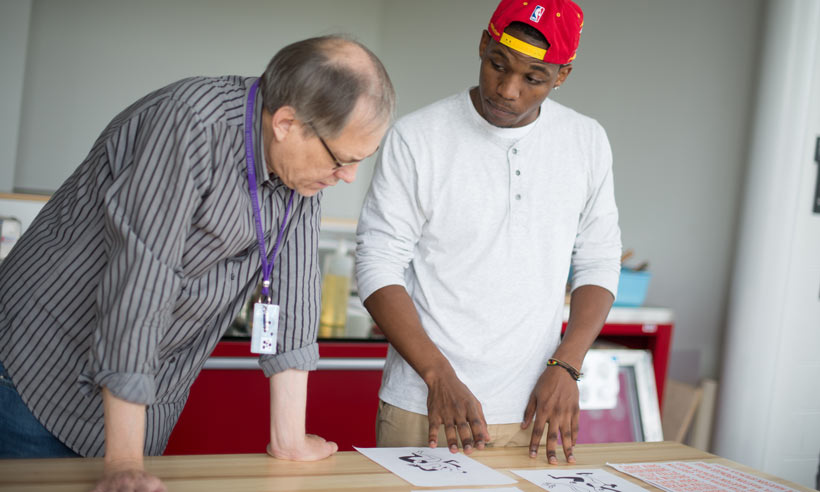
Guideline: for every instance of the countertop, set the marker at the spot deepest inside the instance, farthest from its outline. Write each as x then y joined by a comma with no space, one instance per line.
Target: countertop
645,315
344,471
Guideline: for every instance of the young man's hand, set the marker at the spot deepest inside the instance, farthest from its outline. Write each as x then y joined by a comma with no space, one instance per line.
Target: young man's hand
553,402
451,404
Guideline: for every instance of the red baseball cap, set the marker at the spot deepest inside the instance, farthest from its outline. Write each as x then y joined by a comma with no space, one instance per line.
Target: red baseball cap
560,21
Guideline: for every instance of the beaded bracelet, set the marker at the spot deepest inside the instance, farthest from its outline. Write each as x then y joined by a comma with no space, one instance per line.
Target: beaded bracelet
575,373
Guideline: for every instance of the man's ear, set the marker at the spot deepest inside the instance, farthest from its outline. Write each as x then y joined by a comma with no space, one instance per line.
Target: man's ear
563,73
283,122
485,38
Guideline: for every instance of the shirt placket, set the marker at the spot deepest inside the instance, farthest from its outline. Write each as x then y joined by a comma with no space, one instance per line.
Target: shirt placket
518,198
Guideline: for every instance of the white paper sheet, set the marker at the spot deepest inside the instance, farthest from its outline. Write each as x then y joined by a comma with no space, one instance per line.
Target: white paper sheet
576,480
683,476
494,489
598,389
435,467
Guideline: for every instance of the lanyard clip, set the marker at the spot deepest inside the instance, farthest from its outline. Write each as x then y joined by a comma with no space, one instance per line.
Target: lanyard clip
265,291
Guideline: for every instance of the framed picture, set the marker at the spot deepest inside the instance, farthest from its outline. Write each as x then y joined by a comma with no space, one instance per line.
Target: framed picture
619,401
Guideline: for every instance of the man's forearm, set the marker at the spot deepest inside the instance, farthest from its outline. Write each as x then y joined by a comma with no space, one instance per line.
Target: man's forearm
288,401
588,310
124,433
394,314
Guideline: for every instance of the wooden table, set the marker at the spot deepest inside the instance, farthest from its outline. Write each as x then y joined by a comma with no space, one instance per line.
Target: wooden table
345,471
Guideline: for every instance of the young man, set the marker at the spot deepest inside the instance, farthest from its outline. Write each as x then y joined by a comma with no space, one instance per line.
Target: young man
115,296
479,205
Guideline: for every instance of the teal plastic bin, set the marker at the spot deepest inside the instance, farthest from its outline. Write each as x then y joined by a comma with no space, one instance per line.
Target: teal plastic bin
632,287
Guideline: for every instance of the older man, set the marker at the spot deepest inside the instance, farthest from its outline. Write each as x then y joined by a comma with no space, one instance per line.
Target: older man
122,286
478,206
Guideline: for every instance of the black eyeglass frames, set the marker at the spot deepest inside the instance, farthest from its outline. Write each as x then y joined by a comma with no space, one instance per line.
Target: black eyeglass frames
336,161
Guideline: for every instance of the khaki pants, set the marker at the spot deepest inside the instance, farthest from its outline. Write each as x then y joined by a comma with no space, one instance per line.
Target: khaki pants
396,427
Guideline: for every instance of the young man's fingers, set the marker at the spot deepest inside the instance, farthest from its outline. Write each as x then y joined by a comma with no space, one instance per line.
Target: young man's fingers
432,434
479,429
466,435
452,439
567,442
535,440
552,442
575,427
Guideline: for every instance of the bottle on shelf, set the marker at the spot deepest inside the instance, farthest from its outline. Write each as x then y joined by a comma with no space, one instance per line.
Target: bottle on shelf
338,270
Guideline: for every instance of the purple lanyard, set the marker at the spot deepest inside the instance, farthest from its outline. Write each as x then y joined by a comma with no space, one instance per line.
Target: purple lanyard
267,263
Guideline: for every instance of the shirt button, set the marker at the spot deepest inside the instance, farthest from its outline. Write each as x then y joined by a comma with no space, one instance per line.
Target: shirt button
517,197
515,151
517,172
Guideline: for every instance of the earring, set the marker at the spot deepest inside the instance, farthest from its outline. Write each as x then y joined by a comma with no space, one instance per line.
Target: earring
556,87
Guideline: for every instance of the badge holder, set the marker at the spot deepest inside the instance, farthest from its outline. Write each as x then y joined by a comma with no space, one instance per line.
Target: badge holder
265,327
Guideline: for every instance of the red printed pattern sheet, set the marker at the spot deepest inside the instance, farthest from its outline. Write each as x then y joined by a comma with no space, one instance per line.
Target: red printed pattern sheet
682,476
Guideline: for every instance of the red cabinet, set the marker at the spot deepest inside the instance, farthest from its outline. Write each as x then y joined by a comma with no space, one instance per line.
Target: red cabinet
228,409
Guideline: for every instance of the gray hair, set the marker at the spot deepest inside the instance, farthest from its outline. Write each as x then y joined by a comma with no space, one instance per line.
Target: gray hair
319,80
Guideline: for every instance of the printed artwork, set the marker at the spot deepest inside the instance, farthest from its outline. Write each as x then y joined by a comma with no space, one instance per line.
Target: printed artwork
687,476
499,489
424,460
435,467
575,480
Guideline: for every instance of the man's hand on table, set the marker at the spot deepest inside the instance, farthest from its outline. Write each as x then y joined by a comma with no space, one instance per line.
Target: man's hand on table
553,403
124,439
128,479
452,404
449,402
310,448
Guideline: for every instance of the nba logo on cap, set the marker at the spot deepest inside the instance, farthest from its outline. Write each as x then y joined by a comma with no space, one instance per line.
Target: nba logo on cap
537,12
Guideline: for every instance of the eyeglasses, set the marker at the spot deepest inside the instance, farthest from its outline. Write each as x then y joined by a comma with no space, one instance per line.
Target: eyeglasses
336,161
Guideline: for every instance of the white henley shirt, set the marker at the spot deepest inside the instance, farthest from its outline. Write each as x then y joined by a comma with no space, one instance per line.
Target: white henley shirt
480,224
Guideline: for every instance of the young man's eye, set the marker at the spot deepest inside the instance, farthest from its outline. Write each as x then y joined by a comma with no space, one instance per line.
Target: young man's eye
534,81
496,66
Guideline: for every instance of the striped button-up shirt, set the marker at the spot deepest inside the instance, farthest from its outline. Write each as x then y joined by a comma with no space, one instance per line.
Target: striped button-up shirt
137,265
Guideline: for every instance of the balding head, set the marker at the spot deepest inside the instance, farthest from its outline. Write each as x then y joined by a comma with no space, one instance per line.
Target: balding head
325,79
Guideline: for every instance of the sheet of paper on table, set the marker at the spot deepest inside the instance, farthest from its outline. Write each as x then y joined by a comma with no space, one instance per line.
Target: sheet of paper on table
435,467
575,480
494,489
684,476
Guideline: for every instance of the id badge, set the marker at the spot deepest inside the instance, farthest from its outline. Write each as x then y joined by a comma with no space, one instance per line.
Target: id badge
265,328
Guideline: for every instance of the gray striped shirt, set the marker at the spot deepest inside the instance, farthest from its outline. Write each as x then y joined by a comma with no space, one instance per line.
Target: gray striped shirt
140,261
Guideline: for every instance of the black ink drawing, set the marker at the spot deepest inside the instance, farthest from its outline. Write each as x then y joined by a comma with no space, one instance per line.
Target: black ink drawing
428,462
580,482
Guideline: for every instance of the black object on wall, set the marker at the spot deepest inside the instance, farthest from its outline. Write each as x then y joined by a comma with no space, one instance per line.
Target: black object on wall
817,187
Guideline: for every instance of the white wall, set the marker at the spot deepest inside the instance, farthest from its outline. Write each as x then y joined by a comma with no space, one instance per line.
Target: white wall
89,59
14,24
430,47
671,82
769,403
